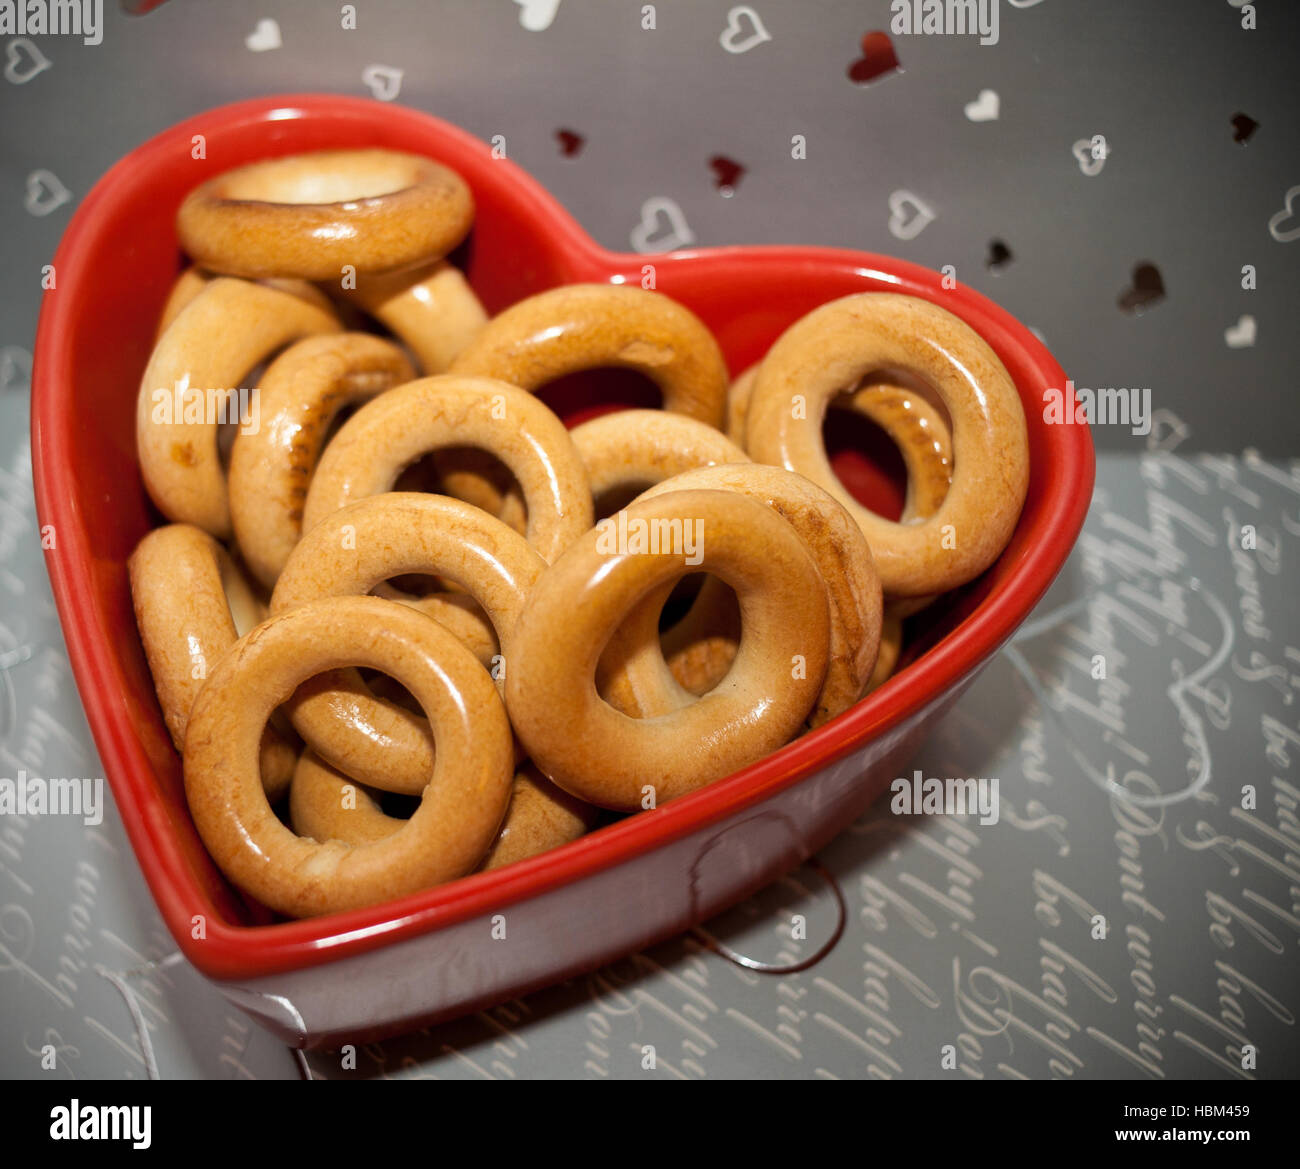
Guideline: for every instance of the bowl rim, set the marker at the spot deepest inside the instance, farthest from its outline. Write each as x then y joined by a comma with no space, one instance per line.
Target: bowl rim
242,952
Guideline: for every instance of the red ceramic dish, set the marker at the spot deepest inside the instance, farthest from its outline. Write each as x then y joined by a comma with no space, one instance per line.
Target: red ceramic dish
433,954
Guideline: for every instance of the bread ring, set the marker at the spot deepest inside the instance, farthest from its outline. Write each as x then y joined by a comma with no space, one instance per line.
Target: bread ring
922,435
350,552
188,285
270,468
628,451
607,758
466,473
308,215
835,346
891,647
464,798
738,395
228,329
191,605
924,440
594,326
395,429
917,428
194,280
843,559
541,817
432,309
700,647
477,478
324,805
460,613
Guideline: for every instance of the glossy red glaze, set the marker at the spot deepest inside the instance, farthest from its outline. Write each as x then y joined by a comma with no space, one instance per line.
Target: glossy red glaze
116,264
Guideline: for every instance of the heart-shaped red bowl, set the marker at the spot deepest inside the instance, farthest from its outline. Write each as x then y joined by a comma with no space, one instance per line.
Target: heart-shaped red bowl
486,937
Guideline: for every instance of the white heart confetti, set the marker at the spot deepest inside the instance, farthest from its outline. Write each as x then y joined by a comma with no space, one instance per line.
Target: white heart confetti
45,193
383,81
744,30
537,15
23,61
984,108
662,228
909,215
264,38
1242,334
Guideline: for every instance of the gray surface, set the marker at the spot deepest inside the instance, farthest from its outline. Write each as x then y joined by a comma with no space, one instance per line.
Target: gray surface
976,936
951,924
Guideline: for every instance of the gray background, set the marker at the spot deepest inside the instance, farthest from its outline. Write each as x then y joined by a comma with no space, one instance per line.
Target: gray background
1160,81
956,931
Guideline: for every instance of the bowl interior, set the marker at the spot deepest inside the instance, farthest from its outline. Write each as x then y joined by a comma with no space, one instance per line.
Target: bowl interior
117,263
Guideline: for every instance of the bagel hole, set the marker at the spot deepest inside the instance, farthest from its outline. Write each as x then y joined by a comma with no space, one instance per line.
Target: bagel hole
473,476
462,255
395,804
310,181
681,599
280,809
866,460
905,379
336,423
457,612
414,586
245,596
700,648
238,408
580,397
227,432
389,688
613,500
